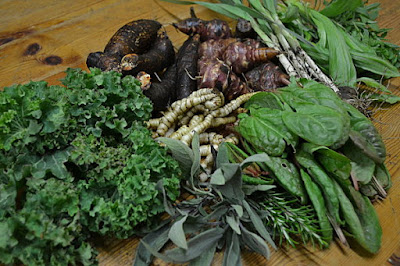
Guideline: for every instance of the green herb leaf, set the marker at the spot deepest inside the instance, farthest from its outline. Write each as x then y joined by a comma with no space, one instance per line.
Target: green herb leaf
255,243
258,224
337,7
177,235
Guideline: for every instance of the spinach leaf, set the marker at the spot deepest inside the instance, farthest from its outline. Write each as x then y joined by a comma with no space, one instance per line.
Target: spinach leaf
333,162
360,217
362,167
326,184
317,124
317,200
266,132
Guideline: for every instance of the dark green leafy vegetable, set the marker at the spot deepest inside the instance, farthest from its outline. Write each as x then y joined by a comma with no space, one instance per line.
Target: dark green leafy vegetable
326,184
265,131
75,160
317,124
360,217
318,202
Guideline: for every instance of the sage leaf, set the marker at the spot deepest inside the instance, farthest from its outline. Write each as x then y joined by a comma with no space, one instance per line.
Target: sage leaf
217,178
255,242
233,223
181,152
176,233
196,246
232,252
250,189
258,224
157,240
222,155
206,258
238,209
196,158
232,189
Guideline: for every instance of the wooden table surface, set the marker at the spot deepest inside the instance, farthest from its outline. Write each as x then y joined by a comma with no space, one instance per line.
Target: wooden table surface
40,39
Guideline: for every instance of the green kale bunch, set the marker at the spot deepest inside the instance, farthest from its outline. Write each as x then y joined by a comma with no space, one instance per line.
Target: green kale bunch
75,160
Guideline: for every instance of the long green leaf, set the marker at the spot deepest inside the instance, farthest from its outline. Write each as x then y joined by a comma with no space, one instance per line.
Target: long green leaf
341,66
177,235
337,7
157,240
196,246
258,224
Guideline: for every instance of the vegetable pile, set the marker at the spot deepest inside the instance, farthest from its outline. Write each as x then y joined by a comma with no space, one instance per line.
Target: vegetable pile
76,160
244,139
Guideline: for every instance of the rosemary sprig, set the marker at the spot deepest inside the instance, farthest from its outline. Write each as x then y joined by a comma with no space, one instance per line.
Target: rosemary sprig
290,220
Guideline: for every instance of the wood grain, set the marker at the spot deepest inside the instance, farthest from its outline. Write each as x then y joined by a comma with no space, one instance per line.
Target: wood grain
40,39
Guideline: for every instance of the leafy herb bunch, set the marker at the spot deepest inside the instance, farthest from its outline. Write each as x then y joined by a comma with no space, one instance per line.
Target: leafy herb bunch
77,160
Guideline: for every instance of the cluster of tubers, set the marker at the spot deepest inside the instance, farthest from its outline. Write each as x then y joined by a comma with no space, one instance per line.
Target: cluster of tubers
213,67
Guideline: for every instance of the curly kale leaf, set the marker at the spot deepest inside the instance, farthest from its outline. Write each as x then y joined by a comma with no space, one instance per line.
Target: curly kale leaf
119,189
47,229
106,103
76,159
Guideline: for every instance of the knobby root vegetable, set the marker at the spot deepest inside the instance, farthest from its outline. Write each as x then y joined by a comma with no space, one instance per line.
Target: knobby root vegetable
244,29
220,112
186,62
134,37
160,56
214,73
162,93
184,119
242,57
214,48
145,80
105,62
266,77
181,106
213,29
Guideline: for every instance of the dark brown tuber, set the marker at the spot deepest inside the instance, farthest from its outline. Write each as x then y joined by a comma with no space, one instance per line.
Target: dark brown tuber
214,29
160,93
266,77
186,61
134,37
242,57
160,56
